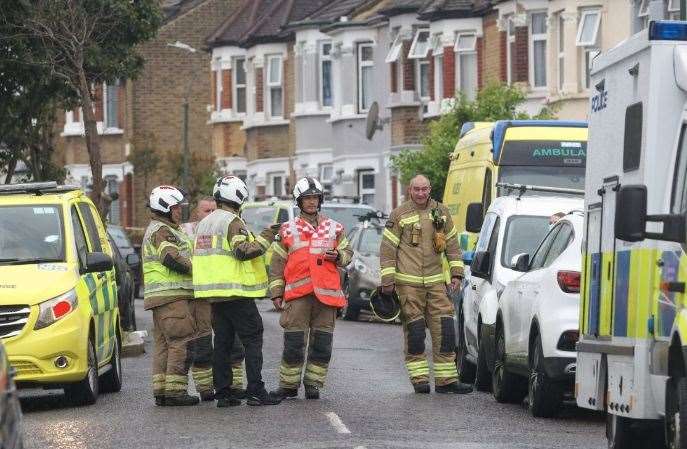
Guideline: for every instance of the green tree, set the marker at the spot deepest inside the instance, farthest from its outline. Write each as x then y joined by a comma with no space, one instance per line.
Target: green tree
494,102
146,159
79,43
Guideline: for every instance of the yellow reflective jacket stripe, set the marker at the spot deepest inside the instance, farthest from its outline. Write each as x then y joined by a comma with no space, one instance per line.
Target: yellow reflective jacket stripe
387,234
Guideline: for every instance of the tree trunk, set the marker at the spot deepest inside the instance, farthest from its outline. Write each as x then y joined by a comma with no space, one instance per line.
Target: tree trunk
11,167
92,142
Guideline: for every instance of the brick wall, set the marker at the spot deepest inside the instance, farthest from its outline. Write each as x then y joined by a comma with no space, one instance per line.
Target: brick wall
406,125
394,77
228,139
408,67
449,75
267,141
227,90
259,91
492,63
520,58
479,46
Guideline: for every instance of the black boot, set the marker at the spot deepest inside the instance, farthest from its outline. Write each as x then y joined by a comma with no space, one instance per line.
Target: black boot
207,396
454,388
160,401
312,392
262,398
228,402
181,401
284,393
422,388
238,393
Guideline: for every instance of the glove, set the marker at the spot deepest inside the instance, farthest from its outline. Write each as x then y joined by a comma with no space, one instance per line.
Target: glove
388,289
439,242
278,302
455,283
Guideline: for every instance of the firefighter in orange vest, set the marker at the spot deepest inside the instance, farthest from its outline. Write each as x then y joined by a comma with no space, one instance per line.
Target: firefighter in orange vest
305,283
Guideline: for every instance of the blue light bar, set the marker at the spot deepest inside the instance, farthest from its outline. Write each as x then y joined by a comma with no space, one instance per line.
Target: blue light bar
668,30
501,126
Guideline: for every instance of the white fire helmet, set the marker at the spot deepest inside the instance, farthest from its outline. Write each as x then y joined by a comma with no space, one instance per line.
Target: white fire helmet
162,198
230,189
306,187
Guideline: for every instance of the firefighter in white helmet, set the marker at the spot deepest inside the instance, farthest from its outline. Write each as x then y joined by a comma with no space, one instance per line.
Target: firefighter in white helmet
168,291
305,282
229,271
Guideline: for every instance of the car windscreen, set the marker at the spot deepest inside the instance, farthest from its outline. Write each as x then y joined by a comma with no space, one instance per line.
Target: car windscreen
370,240
31,234
119,237
349,217
523,235
565,177
258,218
544,153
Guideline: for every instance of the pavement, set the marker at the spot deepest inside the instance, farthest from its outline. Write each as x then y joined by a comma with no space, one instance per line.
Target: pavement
368,403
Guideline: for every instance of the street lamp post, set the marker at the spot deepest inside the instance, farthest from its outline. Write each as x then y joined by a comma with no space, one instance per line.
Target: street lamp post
185,162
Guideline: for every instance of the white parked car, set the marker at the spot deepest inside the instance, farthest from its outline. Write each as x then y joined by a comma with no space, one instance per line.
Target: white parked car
512,225
537,322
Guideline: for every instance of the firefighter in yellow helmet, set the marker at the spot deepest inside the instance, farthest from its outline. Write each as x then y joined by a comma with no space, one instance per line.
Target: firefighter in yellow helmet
168,291
418,234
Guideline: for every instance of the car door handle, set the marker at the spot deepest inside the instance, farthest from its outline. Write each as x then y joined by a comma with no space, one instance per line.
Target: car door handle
100,275
473,286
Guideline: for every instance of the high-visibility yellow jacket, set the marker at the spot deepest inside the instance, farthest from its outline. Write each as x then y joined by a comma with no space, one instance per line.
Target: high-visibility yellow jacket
160,280
217,271
407,253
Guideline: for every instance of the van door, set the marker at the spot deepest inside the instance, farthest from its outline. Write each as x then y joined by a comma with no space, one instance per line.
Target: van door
464,185
603,264
104,302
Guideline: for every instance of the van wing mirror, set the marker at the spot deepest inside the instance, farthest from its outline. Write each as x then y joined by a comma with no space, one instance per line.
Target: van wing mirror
474,217
631,218
97,262
481,264
520,262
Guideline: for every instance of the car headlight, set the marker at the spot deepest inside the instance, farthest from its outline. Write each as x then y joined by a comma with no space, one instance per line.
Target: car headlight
55,309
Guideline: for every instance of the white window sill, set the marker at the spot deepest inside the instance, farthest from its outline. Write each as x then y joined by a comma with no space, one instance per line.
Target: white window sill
226,116
261,124
77,130
321,113
537,93
405,104
340,118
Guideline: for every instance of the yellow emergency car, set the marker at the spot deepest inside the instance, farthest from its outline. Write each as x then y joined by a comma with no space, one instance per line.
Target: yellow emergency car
59,319
549,153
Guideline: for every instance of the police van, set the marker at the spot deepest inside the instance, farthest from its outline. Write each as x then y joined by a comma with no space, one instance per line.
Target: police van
632,352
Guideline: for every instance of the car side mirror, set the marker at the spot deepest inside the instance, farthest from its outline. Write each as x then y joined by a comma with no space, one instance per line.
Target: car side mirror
133,260
474,217
630,213
520,262
481,264
631,218
97,262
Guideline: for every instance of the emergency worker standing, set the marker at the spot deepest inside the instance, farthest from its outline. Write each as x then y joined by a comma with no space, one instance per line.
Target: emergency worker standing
168,291
418,234
305,282
230,273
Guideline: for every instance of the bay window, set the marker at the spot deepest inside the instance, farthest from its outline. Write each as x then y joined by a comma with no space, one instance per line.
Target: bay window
365,76
326,74
239,81
538,38
466,49
274,86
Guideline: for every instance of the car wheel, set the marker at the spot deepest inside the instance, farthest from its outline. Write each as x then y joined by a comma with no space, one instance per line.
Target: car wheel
351,311
544,395
676,413
466,370
111,382
505,386
482,374
85,392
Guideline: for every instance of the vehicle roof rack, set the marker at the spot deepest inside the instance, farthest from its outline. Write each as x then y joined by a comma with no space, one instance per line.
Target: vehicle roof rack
37,188
522,188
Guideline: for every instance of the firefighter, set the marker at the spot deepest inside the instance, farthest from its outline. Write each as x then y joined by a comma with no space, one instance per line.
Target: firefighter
202,364
168,292
418,234
230,273
305,283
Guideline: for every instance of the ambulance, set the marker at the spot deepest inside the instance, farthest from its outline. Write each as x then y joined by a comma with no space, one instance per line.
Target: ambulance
632,351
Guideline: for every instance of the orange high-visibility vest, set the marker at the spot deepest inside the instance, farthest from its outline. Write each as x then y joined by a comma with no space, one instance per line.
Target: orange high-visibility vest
307,271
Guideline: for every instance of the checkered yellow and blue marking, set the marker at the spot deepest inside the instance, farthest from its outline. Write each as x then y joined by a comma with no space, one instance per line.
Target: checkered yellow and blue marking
103,302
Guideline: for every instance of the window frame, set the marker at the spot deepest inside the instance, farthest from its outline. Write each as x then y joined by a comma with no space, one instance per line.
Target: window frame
472,48
564,227
106,105
411,53
510,40
77,226
532,39
218,85
270,85
236,86
394,50
544,248
436,44
588,59
270,183
419,65
462,53
322,59
592,42
94,242
363,64
679,175
362,191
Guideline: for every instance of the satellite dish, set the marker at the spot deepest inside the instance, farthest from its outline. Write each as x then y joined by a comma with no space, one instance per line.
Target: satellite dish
374,123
